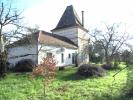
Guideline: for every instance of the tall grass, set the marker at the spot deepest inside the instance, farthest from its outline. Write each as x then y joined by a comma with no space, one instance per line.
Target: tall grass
66,86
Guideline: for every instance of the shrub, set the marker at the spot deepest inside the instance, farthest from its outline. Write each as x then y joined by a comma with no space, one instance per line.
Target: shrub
88,70
110,66
107,66
116,65
25,65
61,68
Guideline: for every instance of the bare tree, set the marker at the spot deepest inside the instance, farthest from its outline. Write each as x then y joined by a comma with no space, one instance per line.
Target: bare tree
8,17
110,40
31,30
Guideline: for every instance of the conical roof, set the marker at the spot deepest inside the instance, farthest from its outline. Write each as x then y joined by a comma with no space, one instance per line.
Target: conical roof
68,19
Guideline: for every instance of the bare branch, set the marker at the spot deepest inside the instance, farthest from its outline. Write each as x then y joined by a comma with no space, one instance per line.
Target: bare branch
1,13
8,16
109,41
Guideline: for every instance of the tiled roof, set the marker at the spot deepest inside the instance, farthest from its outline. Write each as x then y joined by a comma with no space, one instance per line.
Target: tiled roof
48,39
69,19
55,40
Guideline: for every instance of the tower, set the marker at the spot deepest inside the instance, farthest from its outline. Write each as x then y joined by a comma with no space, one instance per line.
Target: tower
71,27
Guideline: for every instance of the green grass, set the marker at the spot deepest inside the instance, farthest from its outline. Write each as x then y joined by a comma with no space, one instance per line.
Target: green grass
66,86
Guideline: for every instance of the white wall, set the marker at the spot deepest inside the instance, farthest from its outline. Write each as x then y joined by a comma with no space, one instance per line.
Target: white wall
15,54
83,57
70,33
83,38
75,34
67,60
57,52
80,37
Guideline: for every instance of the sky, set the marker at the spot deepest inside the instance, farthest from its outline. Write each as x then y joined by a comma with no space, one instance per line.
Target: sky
46,13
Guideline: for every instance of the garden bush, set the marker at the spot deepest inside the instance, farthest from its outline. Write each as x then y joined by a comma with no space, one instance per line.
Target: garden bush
107,66
61,68
116,65
88,70
25,65
111,66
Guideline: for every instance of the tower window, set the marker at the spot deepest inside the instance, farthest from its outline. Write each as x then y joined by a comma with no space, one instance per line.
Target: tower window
69,55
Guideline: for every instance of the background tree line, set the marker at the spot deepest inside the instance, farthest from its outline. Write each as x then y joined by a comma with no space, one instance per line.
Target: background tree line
110,45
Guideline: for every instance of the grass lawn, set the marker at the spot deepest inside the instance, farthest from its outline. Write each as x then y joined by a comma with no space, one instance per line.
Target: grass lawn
66,86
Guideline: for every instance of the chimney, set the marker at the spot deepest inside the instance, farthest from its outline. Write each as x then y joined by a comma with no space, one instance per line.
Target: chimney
83,18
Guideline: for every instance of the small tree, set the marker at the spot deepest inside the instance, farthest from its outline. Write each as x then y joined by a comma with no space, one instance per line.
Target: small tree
46,69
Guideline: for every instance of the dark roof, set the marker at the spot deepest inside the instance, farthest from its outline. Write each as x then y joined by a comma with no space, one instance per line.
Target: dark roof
69,19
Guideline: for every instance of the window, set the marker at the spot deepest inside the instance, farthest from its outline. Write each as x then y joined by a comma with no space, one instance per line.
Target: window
62,58
74,57
69,55
49,54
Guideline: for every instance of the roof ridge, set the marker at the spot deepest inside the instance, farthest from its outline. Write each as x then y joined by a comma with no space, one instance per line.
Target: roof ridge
76,16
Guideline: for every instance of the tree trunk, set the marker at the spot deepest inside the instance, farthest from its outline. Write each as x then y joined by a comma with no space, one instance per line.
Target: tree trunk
3,56
108,59
3,67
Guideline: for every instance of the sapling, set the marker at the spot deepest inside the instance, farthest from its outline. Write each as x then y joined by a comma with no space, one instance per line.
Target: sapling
46,69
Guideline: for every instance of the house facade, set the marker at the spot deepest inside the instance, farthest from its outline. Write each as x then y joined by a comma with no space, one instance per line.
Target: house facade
66,43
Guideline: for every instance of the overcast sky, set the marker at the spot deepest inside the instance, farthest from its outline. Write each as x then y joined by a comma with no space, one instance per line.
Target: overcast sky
46,13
